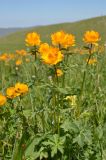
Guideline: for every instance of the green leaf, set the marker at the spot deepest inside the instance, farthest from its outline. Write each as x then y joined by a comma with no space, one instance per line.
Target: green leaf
62,90
18,150
34,143
69,126
30,148
56,144
99,132
79,139
54,151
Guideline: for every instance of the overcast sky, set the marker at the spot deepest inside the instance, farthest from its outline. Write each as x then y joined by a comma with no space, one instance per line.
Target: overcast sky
23,13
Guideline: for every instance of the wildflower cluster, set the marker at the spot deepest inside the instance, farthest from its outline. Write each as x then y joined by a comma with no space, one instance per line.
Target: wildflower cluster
18,90
63,39
63,115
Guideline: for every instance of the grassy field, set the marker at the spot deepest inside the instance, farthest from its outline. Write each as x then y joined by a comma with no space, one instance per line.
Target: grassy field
16,40
53,97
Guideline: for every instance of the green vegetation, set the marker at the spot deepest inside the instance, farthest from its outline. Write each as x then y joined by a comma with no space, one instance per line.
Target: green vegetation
53,98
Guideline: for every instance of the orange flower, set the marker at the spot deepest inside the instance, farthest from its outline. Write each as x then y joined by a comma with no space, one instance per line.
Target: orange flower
58,38
69,40
92,61
53,56
59,72
21,88
21,52
44,48
11,92
4,57
65,40
18,62
2,100
32,39
91,37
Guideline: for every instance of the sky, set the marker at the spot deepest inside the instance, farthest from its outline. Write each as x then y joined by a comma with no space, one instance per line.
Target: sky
24,13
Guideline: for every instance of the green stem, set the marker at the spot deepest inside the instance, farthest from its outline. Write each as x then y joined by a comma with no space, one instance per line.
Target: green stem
35,61
30,94
20,105
56,77
34,52
85,72
58,124
15,147
101,152
54,111
43,121
56,96
35,55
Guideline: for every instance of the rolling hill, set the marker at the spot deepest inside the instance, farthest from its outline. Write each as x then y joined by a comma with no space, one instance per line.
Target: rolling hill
6,31
17,40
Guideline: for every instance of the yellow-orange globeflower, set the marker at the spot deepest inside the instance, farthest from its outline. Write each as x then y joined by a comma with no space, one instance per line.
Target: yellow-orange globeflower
2,100
44,48
58,38
65,40
32,39
4,57
91,37
69,40
18,62
21,88
59,72
11,93
53,56
21,52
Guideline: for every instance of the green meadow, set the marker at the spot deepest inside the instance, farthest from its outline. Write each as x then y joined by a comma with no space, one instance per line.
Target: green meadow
53,99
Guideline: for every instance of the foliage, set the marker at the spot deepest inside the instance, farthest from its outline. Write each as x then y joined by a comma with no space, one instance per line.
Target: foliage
55,117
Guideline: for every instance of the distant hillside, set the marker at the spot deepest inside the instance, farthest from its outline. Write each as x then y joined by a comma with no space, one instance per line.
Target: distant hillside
6,31
17,40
